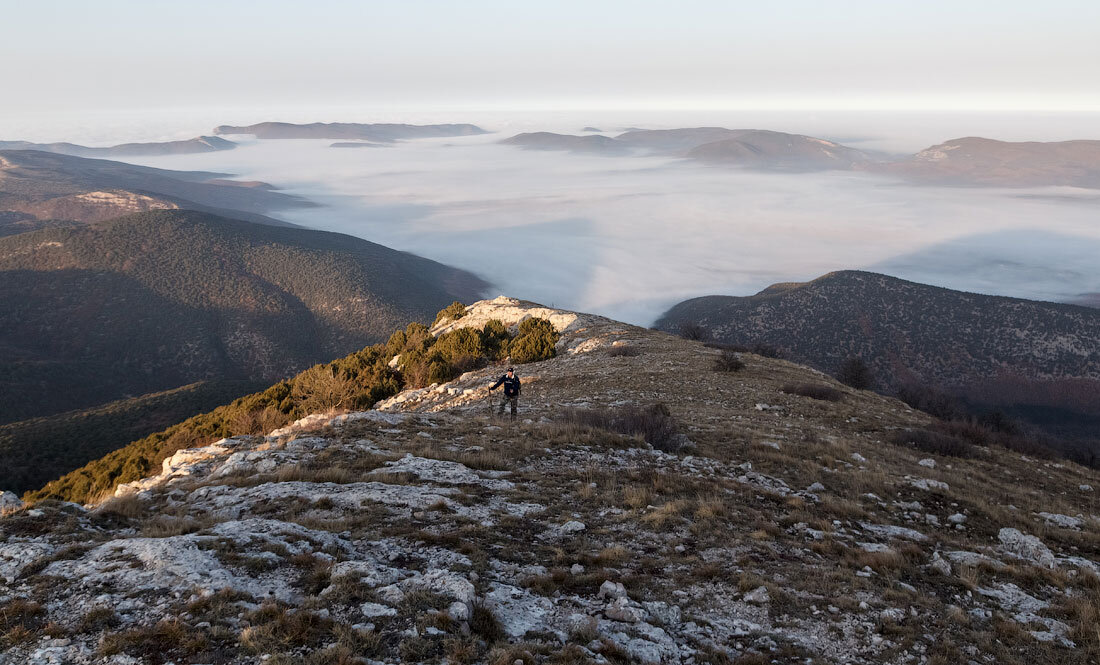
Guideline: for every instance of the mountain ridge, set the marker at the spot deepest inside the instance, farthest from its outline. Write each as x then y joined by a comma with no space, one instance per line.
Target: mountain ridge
381,132
201,297
199,144
754,523
37,188
969,161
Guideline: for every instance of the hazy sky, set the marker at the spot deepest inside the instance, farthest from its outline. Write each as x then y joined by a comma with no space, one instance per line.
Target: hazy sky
122,54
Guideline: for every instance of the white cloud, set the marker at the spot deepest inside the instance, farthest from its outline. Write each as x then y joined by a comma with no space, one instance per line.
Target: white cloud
629,236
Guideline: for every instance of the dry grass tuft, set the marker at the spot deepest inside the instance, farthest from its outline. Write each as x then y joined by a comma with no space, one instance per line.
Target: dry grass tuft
623,351
128,506
666,513
636,496
166,640
274,629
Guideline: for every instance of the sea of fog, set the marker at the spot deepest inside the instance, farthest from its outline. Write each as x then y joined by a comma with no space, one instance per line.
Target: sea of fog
629,236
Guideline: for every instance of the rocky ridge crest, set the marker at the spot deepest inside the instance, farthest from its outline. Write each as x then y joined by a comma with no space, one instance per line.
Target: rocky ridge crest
424,529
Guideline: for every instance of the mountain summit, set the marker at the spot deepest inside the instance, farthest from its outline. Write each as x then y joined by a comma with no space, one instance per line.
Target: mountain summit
659,502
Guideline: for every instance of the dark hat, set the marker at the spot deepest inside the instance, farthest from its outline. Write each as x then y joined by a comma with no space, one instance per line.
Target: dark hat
511,370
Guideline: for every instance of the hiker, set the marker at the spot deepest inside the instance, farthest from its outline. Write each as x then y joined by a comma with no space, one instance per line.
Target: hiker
511,391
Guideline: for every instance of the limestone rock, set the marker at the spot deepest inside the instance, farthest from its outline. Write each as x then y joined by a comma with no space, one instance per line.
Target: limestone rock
622,609
758,596
1026,547
929,485
517,610
1063,521
9,502
459,611
572,526
611,590
374,610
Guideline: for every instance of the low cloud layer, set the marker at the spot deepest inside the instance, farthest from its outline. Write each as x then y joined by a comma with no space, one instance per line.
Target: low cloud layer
629,236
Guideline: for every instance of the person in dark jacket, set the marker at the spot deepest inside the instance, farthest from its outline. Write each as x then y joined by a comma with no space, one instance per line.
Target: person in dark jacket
511,391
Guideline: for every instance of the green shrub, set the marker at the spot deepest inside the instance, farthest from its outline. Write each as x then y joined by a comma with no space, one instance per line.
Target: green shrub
459,343
536,341
495,339
452,312
855,373
353,382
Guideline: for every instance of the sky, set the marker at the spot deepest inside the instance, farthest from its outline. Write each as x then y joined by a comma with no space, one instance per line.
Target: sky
63,55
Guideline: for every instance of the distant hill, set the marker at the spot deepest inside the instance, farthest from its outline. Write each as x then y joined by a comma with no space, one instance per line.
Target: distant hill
550,141
198,144
676,140
357,144
762,149
1088,300
906,331
967,161
745,148
954,352
36,185
40,449
349,130
986,162
160,299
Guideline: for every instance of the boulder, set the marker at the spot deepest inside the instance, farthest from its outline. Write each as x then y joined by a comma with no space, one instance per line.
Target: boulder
612,590
9,503
1026,547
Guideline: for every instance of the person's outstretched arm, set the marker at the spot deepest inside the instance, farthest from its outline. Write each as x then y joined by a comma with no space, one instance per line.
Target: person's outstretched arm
497,384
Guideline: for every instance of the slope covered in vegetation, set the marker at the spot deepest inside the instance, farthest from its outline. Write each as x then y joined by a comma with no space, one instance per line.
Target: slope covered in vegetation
40,449
160,299
356,381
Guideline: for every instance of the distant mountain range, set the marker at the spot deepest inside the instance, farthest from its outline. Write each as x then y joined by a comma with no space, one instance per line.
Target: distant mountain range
907,331
198,144
746,148
551,141
160,299
380,132
357,144
978,161
38,188
1038,360
959,162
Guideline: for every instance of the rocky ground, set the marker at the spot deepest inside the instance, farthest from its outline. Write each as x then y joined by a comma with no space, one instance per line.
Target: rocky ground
775,528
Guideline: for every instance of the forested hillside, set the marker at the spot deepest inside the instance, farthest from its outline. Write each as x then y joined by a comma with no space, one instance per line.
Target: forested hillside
153,301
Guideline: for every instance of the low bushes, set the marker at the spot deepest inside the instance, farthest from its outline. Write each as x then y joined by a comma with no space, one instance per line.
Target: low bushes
728,361
855,373
623,351
813,390
535,341
962,438
936,443
353,382
693,331
452,312
654,424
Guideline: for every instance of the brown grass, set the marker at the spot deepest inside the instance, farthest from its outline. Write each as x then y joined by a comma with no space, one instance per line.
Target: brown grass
128,506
